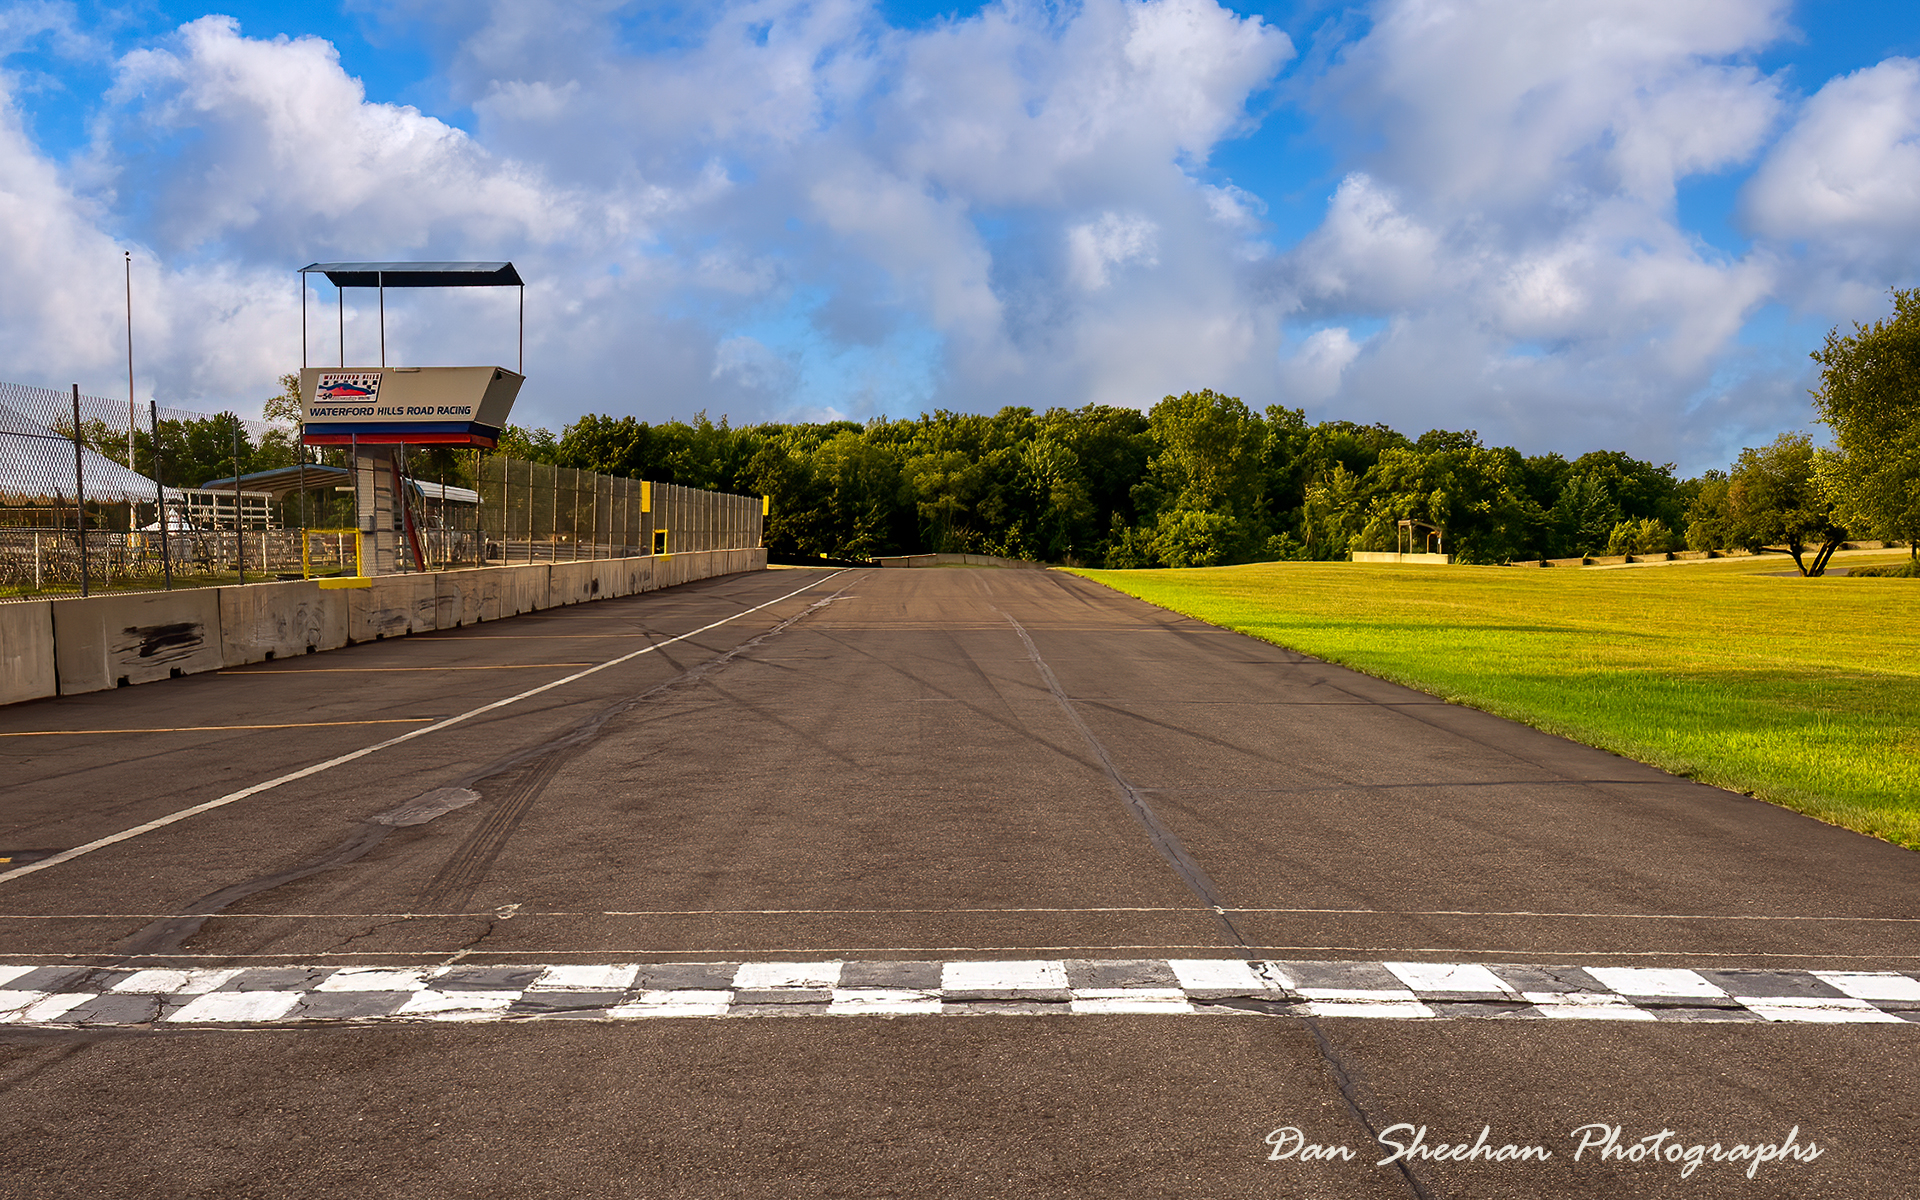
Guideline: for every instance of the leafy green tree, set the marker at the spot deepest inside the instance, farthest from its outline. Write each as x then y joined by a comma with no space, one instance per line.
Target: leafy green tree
197,451
1332,513
1058,492
288,407
1112,447
1709,526
860,487
1543,476
1639,489
1585,514
1186,537
621,447
1437,441
1209,452
783,472
1772,497
946,486
1869,396
1129,548
1648,535
1476,495
1199,479
535,445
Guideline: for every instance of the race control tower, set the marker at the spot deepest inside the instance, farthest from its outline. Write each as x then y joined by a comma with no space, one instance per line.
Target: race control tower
378,411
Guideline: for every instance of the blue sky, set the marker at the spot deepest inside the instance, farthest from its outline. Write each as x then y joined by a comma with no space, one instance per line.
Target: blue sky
1597,223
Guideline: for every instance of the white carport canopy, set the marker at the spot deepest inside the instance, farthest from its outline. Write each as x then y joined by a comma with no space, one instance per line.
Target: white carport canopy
36,467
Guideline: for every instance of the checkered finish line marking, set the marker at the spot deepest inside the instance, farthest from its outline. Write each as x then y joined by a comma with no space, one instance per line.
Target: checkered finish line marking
89,997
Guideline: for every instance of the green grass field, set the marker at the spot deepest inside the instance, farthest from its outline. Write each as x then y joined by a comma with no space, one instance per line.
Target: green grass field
1804,692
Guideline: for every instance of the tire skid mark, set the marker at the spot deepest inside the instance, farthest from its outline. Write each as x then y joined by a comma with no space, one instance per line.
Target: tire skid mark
313,769
456,881
475,856
453,885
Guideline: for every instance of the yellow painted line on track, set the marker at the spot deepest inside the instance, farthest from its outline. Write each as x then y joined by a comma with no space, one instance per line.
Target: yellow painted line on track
215,728
398,670
341,759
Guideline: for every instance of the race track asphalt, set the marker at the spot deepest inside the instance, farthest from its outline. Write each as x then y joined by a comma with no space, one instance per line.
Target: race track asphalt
910,767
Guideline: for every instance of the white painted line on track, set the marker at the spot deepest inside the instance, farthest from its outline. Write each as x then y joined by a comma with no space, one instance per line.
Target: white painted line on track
1223,974
1005,910
1655,981
1815,1009
768,975
457,1006
1872,985
1359,995
1403,1010
237,1006
690,1003
1003,976
182,982
66,856
37,1008
1129,1000
590,978
1449,977
359,979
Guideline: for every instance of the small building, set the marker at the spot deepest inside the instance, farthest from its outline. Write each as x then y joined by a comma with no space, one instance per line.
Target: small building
1417,543
212,504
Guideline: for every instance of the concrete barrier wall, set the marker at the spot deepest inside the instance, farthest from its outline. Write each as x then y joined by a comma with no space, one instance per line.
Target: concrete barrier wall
467,597
65,647
26,651
633,576
523,589
394,606
101,641
279,620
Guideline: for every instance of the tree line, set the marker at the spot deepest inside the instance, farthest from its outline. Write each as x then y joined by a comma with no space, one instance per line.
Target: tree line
1199,479
1202,479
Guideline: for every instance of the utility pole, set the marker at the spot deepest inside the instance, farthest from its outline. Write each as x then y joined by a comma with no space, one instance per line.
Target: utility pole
160,496
80,489
133,415
239,538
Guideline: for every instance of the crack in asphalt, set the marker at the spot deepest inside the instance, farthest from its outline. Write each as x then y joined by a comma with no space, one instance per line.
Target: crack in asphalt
1352,1087
369,931
1162,839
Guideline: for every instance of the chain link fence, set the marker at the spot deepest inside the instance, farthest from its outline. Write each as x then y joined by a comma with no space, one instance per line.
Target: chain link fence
96,498
82,495
533,512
